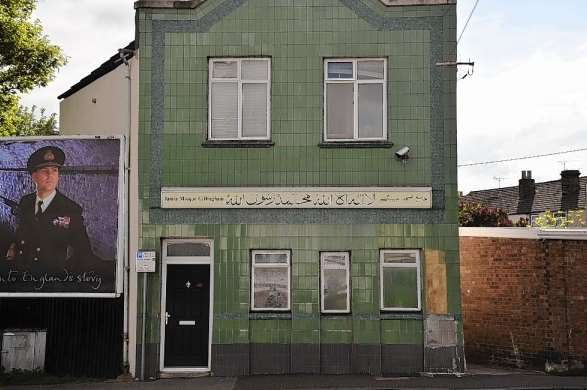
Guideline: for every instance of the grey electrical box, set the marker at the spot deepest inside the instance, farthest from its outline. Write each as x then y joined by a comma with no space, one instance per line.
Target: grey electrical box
23,349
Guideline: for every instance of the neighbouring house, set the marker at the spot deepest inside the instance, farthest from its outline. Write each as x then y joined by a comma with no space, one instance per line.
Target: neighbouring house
290,237
529,199
92,336
105,103
524,300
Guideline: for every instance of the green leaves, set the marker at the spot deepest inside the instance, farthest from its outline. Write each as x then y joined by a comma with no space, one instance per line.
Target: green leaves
27,60
17,8
8,110
22,121
29,123
477,215
561,219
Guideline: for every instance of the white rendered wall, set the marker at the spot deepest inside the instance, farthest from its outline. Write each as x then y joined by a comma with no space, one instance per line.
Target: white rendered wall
78,114
524,232
112,113
134,211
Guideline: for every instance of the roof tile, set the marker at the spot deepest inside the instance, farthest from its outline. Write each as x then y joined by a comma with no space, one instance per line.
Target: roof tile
548,197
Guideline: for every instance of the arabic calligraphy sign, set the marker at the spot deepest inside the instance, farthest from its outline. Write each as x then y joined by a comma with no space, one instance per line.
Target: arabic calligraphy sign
297,198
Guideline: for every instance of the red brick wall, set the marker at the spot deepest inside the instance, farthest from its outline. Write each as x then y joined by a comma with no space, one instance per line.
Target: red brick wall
571,263
524,301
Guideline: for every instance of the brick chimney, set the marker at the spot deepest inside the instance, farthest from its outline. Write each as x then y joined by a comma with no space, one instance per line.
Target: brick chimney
570,189
526,186
526,192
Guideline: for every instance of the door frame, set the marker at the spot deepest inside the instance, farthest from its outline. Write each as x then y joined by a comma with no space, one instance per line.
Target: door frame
188,260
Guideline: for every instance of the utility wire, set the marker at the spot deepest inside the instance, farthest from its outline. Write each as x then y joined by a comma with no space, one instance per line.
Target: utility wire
522,158
467,22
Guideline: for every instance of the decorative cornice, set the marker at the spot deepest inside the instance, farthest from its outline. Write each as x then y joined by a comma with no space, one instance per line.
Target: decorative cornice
197,3
391,3
168,3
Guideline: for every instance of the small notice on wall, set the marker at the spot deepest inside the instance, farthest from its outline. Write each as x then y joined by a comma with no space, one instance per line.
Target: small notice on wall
297,198
145,261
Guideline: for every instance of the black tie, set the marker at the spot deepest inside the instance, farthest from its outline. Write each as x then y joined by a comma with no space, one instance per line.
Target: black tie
39,209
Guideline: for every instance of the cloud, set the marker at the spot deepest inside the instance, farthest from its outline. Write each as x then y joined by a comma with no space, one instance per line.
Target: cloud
89,32
533,106
526,97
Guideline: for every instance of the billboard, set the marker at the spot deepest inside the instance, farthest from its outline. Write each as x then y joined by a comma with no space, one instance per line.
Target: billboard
61,224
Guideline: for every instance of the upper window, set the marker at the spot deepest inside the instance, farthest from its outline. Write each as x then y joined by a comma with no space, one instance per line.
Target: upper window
400,280
355,99
270,280
335,282
239,103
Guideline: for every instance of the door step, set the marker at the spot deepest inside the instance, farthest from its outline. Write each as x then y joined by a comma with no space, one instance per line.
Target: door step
183,374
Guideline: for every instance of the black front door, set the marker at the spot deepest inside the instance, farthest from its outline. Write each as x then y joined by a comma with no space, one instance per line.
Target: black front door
187,305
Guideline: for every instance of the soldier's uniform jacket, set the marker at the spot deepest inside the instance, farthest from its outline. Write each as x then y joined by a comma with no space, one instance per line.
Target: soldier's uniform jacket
54,239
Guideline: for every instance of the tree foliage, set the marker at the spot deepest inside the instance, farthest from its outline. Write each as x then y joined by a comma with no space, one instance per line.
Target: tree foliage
8,109
560,219
473,214
27,60
522,222
29,123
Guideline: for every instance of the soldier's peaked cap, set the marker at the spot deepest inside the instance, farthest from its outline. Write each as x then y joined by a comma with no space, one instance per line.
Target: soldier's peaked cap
48,156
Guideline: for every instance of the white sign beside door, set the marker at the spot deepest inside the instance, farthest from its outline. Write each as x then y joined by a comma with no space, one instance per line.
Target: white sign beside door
145,261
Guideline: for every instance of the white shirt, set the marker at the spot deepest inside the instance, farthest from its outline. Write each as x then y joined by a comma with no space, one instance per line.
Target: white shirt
46,202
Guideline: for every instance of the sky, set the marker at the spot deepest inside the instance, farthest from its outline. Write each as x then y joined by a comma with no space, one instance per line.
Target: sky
527,94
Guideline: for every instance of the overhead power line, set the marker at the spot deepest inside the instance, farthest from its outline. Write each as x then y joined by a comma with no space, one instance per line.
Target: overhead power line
467,22
522,158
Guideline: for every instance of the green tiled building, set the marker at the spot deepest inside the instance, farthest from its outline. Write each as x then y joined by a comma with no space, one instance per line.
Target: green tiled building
294,231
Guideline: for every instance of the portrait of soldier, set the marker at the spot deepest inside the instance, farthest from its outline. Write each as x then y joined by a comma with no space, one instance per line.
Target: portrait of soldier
50,233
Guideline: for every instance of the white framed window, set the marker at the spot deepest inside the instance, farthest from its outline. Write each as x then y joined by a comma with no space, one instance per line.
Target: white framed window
400,282
355,99
335,282
239,103
270,280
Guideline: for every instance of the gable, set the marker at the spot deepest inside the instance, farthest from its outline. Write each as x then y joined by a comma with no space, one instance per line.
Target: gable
196,3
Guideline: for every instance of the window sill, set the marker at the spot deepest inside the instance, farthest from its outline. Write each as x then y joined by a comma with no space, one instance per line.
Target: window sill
356,144
258,315
335,316
401,316
238,144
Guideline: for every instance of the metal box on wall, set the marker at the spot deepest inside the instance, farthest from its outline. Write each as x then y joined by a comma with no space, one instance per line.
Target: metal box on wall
23,350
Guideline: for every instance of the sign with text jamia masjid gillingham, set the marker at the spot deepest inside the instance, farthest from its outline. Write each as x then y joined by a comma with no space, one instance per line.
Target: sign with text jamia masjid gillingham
296,198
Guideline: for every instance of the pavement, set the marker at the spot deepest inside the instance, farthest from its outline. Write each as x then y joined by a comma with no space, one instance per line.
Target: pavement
476,377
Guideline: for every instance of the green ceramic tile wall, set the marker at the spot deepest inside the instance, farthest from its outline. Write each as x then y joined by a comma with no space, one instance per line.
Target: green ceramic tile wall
402,332
298,35
233,243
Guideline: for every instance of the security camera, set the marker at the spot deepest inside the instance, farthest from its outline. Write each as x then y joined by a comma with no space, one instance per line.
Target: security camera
403,153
